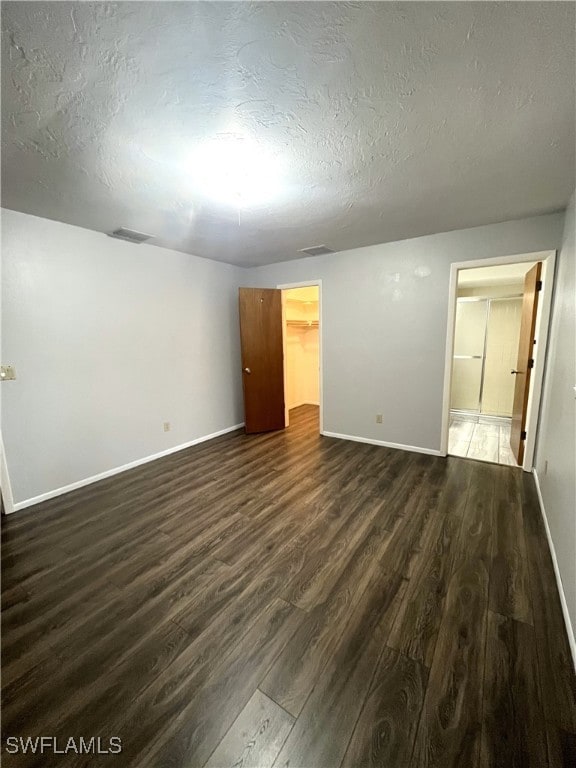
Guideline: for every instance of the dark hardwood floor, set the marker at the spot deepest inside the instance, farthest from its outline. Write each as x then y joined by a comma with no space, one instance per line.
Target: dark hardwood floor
289,600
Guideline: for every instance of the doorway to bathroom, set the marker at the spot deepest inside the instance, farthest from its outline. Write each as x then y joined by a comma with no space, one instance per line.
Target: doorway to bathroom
499,325
486,338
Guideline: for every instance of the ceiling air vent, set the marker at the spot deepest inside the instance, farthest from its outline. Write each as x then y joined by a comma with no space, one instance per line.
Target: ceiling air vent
316,250
130,235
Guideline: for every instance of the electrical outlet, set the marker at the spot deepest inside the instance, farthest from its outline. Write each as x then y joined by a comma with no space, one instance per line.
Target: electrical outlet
378,418
7,373
166,426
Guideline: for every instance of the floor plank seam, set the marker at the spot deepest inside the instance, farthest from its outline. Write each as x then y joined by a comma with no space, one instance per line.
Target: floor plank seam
407,657
510,618
369,686
295,717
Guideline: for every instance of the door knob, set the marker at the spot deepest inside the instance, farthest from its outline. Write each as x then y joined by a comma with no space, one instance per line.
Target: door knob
247,370
516,371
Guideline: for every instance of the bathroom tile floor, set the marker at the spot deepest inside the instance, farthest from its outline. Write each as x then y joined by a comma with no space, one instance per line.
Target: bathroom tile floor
481,437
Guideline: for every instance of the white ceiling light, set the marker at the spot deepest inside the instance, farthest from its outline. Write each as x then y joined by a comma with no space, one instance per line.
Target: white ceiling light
235,171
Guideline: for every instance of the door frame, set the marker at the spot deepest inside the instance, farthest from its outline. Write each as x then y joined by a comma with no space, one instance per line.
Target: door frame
548,259
305,284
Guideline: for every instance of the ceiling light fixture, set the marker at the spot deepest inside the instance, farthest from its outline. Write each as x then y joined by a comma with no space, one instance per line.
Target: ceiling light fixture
234,170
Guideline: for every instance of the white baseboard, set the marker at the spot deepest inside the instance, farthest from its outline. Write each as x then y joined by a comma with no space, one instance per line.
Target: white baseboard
304,402
566,614
398,446
117,470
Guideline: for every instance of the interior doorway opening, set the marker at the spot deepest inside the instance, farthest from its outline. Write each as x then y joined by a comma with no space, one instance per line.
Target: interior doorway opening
486,337
275,378
497,333
301,329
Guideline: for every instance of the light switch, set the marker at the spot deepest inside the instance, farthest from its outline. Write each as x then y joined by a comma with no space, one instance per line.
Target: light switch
7,373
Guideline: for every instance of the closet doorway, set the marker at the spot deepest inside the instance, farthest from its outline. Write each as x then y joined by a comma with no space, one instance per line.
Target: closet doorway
301,330
495,358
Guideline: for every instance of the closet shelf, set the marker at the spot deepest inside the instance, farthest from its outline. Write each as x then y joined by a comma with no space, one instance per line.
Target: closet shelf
302,323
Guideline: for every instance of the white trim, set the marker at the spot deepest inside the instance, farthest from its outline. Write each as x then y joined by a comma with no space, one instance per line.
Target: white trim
284,358
450,328
304,402
5,484
537,377
384,444
496,261
305,284
548,259
118,470
565,612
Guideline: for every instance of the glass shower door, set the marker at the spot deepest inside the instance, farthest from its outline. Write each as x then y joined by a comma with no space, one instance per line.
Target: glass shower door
468,360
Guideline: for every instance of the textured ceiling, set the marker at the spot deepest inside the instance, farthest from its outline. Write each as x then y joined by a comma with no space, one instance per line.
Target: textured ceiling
382,121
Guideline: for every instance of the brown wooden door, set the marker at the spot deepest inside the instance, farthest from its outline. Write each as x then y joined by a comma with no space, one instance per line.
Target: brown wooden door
525,361
262,358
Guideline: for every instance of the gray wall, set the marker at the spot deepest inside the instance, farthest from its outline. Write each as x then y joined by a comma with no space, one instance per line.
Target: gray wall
109,340
384,324
556,442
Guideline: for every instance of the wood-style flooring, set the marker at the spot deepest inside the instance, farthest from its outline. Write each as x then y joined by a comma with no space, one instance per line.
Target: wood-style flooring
289,600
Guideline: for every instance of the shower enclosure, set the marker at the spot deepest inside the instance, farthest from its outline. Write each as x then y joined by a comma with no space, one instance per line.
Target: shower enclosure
486,338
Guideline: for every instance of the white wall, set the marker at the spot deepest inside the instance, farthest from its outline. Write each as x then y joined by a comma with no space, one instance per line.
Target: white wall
384,320
556,441
109,341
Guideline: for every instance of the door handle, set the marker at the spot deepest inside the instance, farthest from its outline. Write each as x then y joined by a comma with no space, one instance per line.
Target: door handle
516,371
247,370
